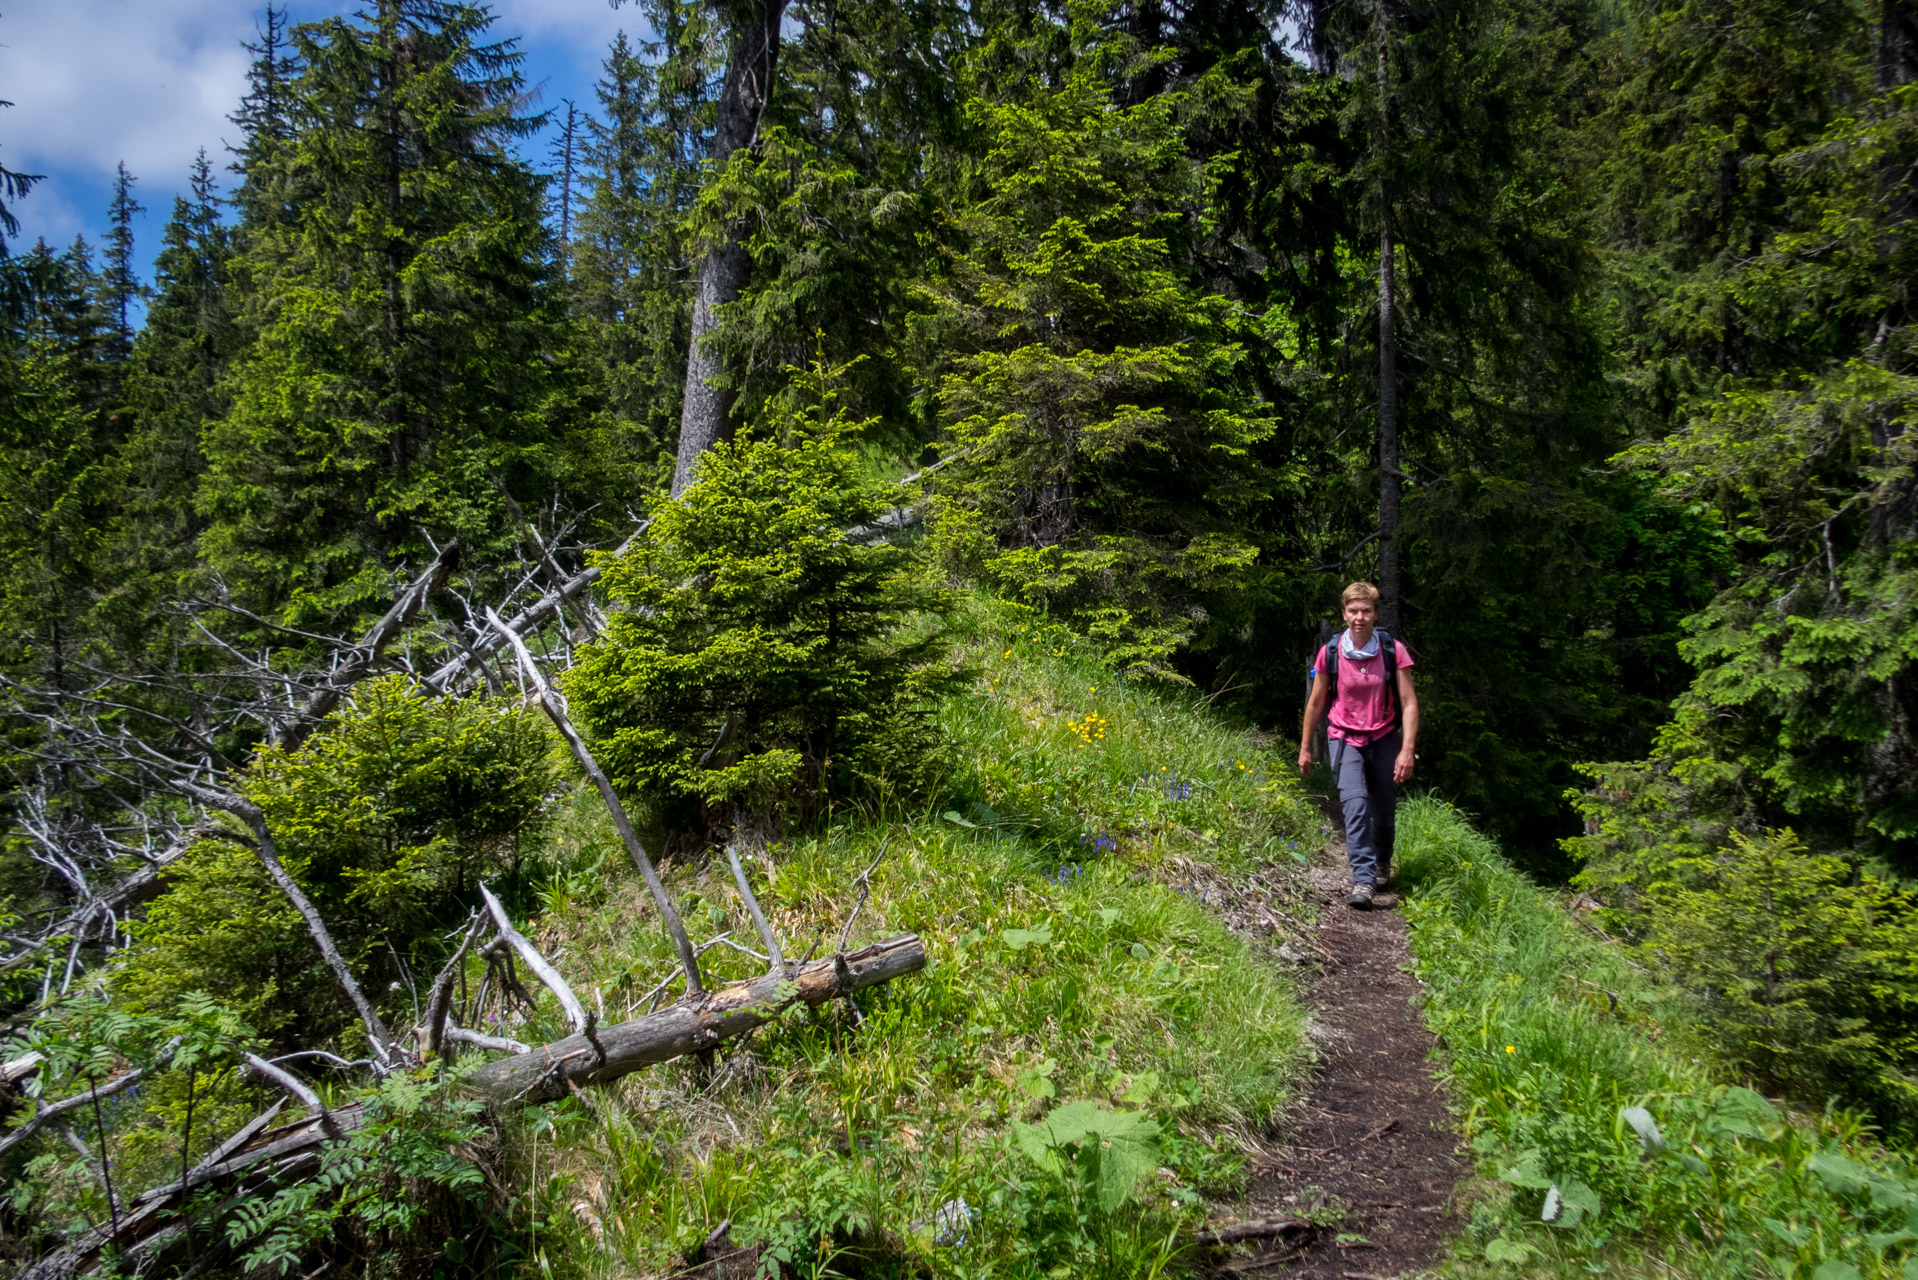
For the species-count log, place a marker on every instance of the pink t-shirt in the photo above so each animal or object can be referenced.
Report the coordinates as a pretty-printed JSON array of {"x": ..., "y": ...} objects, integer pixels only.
[{"x": 1364, "y": 710}]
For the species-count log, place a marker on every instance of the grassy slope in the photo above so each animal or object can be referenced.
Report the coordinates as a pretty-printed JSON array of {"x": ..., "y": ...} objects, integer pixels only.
[
  {"x": 1062, "y": 968},
  {"x": 1551, "y": 1033}
]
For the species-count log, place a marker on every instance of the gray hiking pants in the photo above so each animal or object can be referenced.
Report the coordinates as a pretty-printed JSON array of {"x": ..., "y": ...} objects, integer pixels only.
[{"x": 1369, "y": 798}]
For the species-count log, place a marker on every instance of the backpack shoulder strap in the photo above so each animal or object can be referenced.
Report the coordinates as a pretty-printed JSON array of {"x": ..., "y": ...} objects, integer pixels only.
[
  {"x": 1331, "y": 665},
  {"x": 1389, "y": 650}
]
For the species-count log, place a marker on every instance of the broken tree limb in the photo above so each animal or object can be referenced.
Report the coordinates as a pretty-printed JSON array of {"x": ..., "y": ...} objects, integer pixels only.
[
  {"x": 439, "y": 1000},
  {"x": 268, "y": 853},
  {"x": 542, "y": 969},
  {"x": 290, "y": 1152},
  {"x": 286, "y": 1080},
  {"x": 142, "y": 886},
  {"x": 286, "y": 1155},
  {"x": 363, "y": 657},
  {"x": 773, "y": 959},
  {"x": 745, "y": 829},
  {"x": 480, "y": 1040},
  {"x": 473, "y": 656},
  {"x": 52, "y": 1111},
  {"x": 691, "y": 1026},
  {"x": 550, "y": 703}
]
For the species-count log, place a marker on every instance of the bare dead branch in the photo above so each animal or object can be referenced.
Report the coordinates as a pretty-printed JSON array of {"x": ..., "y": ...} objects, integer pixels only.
[
  {"x": 692, "y": 1025},
  {"x": 541, "y": 967},
  {"x": 499, "y": 1044},
  {"x": 556, "y": 712},
  {"x": 239, "y": 1139},
  {"x": 864, "y": 881},
  {"x": 525, "y": 621},
  {"x": 268, "y": 853},
  {"x": 51, "y": 1111},
  {"x": 292, "y": 1152},
  {"x": 773, "y": 958},
  {"x": 363, "y": 657},
  {"x": 286, "y": 1080},
  {"x": 439, "y": 1000}
]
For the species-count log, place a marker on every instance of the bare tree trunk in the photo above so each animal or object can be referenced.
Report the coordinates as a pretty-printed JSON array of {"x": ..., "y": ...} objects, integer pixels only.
[
  {"x": 1897, "y": 45},
  {"x": 704, "y": 417},
  {"x": 1389, "y": 477},
  {"x": 691, "y": 1026}
]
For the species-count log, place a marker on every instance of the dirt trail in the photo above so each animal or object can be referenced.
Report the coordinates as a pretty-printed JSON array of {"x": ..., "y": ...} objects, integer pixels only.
[{"x": 1373, "y": 1133}]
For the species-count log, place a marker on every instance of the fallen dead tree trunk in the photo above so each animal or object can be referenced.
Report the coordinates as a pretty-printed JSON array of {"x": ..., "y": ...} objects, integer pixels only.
[
  {"x": 150, "y": 1225},
  {"x": 692, "y": 1025}
]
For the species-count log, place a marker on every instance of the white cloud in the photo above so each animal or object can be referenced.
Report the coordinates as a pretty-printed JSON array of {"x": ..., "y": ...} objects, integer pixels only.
[
  {"x": 150, "y": 82},
  {"x": 95, "y": 82}
]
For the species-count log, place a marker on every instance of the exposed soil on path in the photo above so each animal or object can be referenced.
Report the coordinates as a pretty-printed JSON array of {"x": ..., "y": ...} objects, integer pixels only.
[{"x": 1371, "y": 1154}]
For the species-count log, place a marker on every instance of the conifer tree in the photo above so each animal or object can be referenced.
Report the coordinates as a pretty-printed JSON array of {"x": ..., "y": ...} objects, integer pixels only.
[
  {"x": 57, "y": 468},
  {"x": 120, "y": 284},
  {"x": 394, "y": 332},
  {"x": 1100, "y": 394},
  {"x": 641, "y": 152},
  {"x": 14, "y": 186},
  {"x": 174, "y": 389},
  {"x": 565, "y": 151},
  {"x": 264, "y": 114}
]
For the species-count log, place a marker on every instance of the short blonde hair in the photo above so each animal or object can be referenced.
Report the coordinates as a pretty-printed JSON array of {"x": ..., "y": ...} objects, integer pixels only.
[{"x": 1360, "y": 591}]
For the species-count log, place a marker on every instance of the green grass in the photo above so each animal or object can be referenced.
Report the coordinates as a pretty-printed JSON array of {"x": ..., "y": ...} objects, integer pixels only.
[
  {"x": 1063, "y": 967},
  {"x": 1549, "y": 1034}
]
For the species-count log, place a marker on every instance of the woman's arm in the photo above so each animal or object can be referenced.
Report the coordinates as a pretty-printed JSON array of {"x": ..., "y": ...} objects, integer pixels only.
[
  {"x": 1408, "y": 727},
  {"x": 1314, "y": 708}
]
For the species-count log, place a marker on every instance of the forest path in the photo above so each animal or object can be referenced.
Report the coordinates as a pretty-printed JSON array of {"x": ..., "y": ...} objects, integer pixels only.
[{"x": 1373, "y": 1135}]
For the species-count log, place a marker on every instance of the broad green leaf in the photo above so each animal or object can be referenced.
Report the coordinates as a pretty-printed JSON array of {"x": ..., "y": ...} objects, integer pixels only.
[
  {"x": 1506, "y": 1249},
  {"x": 1529, "y": 1171},
  {"x": 1644, "y": 1126}
]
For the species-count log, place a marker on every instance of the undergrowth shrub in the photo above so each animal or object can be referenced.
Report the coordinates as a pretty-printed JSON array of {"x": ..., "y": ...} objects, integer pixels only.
[
  {"x": 413, "y": 1162},
  {"x": 1802, "y": 966},
  {"x": 761, "y": 653},
  {"x": 1804, "y": 973},
  {"x": 1609, "y": 1142},
  {"x": 387, "y": 817},
  {"x": 187, "y": 1100}
]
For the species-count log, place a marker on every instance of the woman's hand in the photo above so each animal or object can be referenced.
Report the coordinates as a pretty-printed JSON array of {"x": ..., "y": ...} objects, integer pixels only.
[
  {"x": 1305, "y": 759},
  {"x": 1402, "y": 765}
]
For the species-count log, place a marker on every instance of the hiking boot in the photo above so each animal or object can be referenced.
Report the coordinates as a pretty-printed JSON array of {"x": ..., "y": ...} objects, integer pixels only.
[
  {"x": 1361, "y": 899},
  {"x": 1388, "y": 878}
]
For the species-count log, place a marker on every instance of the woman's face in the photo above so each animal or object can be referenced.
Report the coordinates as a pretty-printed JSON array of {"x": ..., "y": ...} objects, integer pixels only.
[{"x": 1360, "y": 615}]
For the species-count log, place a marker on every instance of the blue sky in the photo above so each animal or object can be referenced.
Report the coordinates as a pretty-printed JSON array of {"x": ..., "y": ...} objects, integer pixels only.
[{"x": 150, "y": 82}]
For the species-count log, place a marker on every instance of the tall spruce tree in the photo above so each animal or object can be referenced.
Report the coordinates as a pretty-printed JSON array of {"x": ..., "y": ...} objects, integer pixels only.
[
  {"x": 57, "y": 466},
  {"x": 631, "y": 291},
  {"x": 1099, "y": 393},
  {"x": 1791, "y": 428},
  {"x": 394, "y": 334},
  {"x": 174, "y": 389},
  {"x": 120, "y": 284}
]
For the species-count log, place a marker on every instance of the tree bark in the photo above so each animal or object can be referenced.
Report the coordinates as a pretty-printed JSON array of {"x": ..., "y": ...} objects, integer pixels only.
[
  {"x": 705, "y": 411},
  {"x": 691, "y": 1025},
  {"x": 1389, "y": 476},
  {"x": 1897, "y": 45}
]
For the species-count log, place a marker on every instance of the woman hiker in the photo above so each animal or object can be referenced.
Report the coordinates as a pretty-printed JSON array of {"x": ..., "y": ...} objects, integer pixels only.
[{"x": 1373, "y": 732}]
